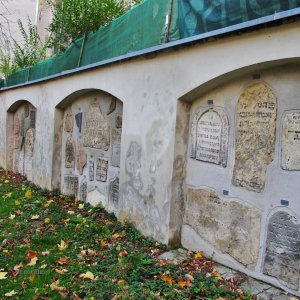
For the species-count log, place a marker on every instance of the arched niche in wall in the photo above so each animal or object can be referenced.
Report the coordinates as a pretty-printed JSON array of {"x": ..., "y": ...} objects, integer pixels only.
[
  {"x": 209, "y": 135},
  {"x": 21, "y": 120},
  {"x": 88, "y": 141}
]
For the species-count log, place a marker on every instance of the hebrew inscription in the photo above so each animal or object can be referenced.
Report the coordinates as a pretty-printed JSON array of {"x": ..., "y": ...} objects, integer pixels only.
[
  {"x": 91, "y": 170},
  {"x": 70, "y": 153},
  {"x": 282, "y": 259},
  {"x": 119, "y": 122},
  {"x": 32, "y": 119},
  {"x": 209, "y": 136},
  {"x": 26, "y": 110},
  {"x": 114, "y": 190},
  {"x": 96, "y": 132},
  {"x": 83, "y": 191},
  {"x": 101, "y": 169},
  {"x": 228, "y": 225},
  {"x": 115, "y": 158},
  {"x": 290, "y": 151},
  {"x": 71, "y": 185},
  {"x": 255, "y": 136}
]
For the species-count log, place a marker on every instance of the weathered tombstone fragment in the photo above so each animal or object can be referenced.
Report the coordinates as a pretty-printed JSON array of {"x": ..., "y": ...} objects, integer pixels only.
[
  {"x": 83, "y": 191},
  {"x": 81, "y": 159},
  {"x": 29, "y": 142},
  {"x": 112, "y": 106},
  {"x": 71, "y": 185},
  {"x": 209, "y": 135},
  {"x": 116, "y": 135},
  {"x": 255, "y": 136},
  {"x": 32, "y": 119},
  {"x": 70, "y": 153},
  {"x": 101, "y": 169},
  {"x": 282, "y": 258},
  {"x": 22, "y": 127},
  {"x": 16, "y": 132},
  {"x": 91, "y": 170},
  {"x": 119, "y": 122},
  {"x": 114, "y": 190},
  {"x": 290, "y": 147},
  {"x": 26, "y": 110},
  {"x": 116, "y": 153},
  {"x": 78, "y": 120},
  {"x": 96, "y": 130},
  {"x": 69, "y": 120}
]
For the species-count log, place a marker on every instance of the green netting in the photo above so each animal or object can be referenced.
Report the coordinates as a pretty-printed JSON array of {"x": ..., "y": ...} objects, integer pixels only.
[{"x": 145, "y": 26}]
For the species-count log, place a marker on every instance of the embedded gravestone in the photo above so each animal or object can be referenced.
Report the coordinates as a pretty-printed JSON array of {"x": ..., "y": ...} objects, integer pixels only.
[
  {"x": 119, "y": 122},
  {"x": 96, "y": 131},
  {"x": 78, "y": 120},
  {"x": 22, "y": 126},
  {"x": 210, "y": 136},
  {"x": 26, "y": 110},
  {"x": 282, "y": 258},
  {"x": 71, "y": 185},
  {"x": 29, "y": 142},
  {"x": 69, "y": 121},
  {"x": 81, "y": 159},
  {"x": 32, "y": 119},
  {"x": 112, "y": 106},
  {"x": 16, "y": 132},
  {"x": 83, "y": 191},
  {"x": 116, "y": 152},
  {"x": 91, "y": 170},
  {"x": 255, "y": 136},
  {"x": 290, "y": 147},
  {"x": 116, "y": 135},
  {"x": 70, "y": 153},
  {"x": 114, "y": 190},
  {"x": 101, "y": 169}
]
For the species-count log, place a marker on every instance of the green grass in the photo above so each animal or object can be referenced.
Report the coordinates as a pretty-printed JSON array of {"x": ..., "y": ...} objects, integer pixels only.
[{"x": 122, "y": 263}]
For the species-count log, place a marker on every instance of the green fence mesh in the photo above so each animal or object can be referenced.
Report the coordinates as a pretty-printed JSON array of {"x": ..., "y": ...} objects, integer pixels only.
[{"x": 145, "y": 26}]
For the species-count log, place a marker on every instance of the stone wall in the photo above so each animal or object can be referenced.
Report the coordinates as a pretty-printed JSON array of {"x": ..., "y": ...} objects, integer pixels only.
[{"x": 242, "y": 192}]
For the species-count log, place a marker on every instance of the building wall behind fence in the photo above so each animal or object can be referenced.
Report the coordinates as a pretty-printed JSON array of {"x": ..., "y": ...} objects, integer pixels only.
[{"x": 174, "y": 180}]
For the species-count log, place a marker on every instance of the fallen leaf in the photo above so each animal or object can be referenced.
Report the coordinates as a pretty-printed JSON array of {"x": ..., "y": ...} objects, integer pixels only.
[
  {"x": 61, "y": 272},
  {"x": 87, "y": 275},
  {"x": 123, "y": 253},
  {"x": 3, "y": 275},
  {"x": 18, "y": 267},
  {"x": 81, "y": 206},
  {"x": 121, "y": 281},
  {"x": 103, "y": 243},
  {"x": 44, "y": 266},
  {"x": 32, "y": 261},
  {"x": 116, "y": 235},
  {"x": 198, "y": 255},
  {"x": 10, "y": 294},
  {"x": 44, "y": 253},
  {"x": 8, "y": 195},
  {"x": 35, "y": 217},
  {"x": 47, "y": 204},
  {"x": 64, "y": 260},
  {"x": 31, "y": 254},
  {"x": 71, "y": 212},
  {"x": 5, "y": 251},
  {"x": 183, "y": 283},
  {"x": 12, "y": 217},
  {"x": 28, "y": 193},
  {"x": 17, "y": 202},
  {"x": 31, "y": 278},
  {"x": 47, "y": 221},
  {"x": 54, "y": 287},
  {"x": 62, "y": 246},
  {"x": 168, "y": 279},
  {"x": 118, "y": 248},
  {"x": 18, "y": 212},
  {"x": 6, "y": 181}
]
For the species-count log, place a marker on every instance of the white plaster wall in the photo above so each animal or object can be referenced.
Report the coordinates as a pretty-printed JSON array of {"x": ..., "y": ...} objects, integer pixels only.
[{"x": 149, "y": 88}]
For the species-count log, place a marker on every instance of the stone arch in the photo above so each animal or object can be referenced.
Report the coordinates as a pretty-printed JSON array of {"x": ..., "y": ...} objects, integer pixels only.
[
  {"x": 21, "y": 123},
  {"x": 87, "y": 147}
]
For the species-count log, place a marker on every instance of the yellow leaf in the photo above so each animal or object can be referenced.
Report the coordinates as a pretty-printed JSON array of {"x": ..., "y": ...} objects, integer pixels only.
[
  {"x": 54, "y": 287},
  {"x": 10, "y": 294},
  {"x": 116, "y": 235},
  {"x": 103, "y": 243},
  {"x": 198, "y": 255},
  {"x": 71, "y": 212},
  {"x": 47, "y": 204},
  {"x": 118, "y": 248},
  {"x": 218, "y": 275},
  {"x": 28, "y": 193},
  {"x": 3, "y": 275},
  {"x": 5, "y": 251},
  {"x": 62, "y": 246},
  {"x": 47, "y": 221},
  {"x": 121, "y": 281},
  {"x": 31, "y": 278},
  {"x": 87, "y": 275},
  {"x": 6, "y": 181},
  {"x": 61, "y": 272},
  {"x": 17, "y": 202},
  {"x": 8, "y": 195},
  {"x": 81, "y": 206},
  {"x": 44, "y": 266}
]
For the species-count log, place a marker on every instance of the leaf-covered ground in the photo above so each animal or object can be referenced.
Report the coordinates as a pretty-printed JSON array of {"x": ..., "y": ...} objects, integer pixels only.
[{"x": 54, "y": 247}]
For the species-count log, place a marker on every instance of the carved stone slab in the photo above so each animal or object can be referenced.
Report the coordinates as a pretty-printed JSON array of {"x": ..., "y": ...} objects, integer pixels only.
[
  {"x": 290, "y": 147},
  {"x": 116, "y": 135},
  {"x": 255, "y": 136},
  {"x": 16, "y": 132},
  {"x": 29, "y": 142},
  {"x": 69, "y": 120},
  {"x": 228, "y": 225},
  {"x": 91, "y": 170},
  {"x": 282, "y": 259},
  {"x": 70, "y": 153},
  {"x": 78, "y": 120},
  {"x": 22, "y": 126},
  {"x": 114, "y": 190},
  {"x": 119, "y": 122},
  {"x": 209, "y": 135},
  {"x": 32, "y": 119},
  {"x": 101, "y": 169},
  {"x": 96, "y": 131},
  {"x": 116, "y": 153},
  {"x": 81, "y": 159},
  {"x": 83, "y": 191},
  {"x": 71, "y": 185}
]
